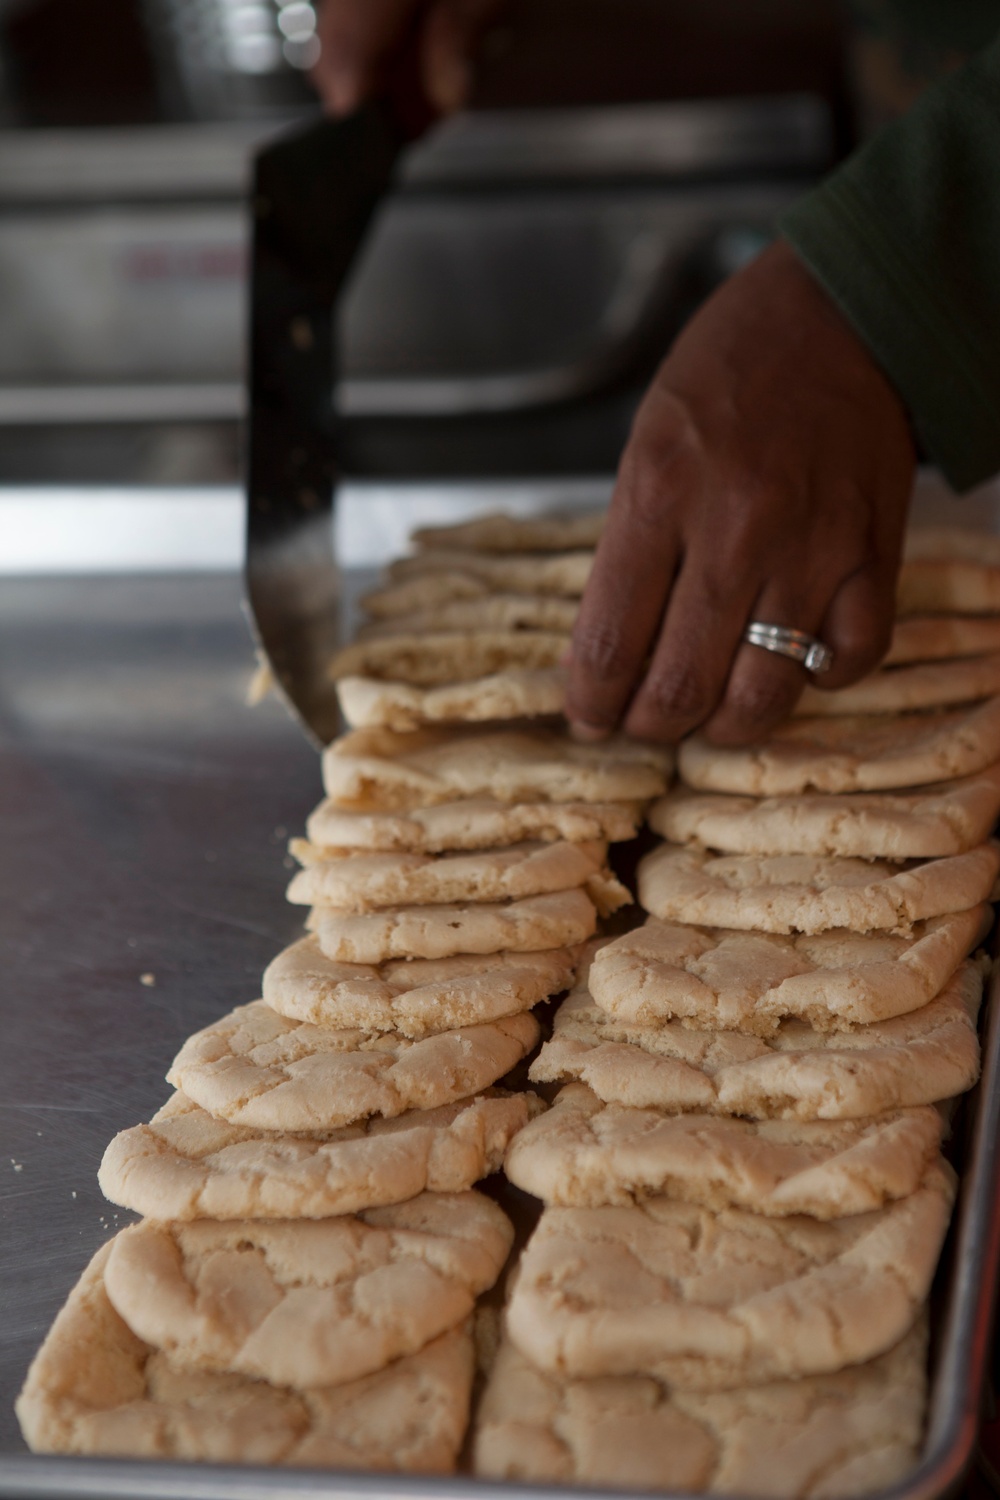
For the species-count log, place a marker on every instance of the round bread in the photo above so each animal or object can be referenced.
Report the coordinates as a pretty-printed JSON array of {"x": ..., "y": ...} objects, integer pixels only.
[
  {"x": 308, "y": 1302},
  {"x": 415, "y": 997},
  {"x": 254, "y": 1067},
  {"x": 95, "y": 1388},
  {"x": 185, "y": 1164},
  {"x": 811, "y": 892},
  {"x": 797, "y": 1074},
  {"x": 712, "y": 1300},
  {"x": 846, "y": 1434}
]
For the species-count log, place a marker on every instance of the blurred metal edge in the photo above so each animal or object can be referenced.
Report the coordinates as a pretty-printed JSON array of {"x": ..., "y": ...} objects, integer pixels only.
[
  {"x": 662, "y": 139},
  {"x": 953, "y": 1412},
  {"x": 315, "y": 193},
  {"x": 678, "y": 138}
]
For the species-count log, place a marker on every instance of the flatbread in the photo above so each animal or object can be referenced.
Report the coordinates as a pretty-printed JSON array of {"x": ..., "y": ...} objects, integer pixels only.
[
  {"x": 472, "y": 823},
  {"x": 414, "y": 997},
  {"x": 396, "y": 600},
  {"x": 862, "y": 753},
  {"x": 432, "y": 579},
  {"x": 937, "y": 637},
  {"x": 494, "y": 612},
  {"x": 585, "y": 1153},
  {"x": 950, "y": 817},
  {"x": 375, "y": 770},
  {"x": 254, "y": 1067},
  {"x": 811, "y": 892},
  {"x": 308, "y": 1302},
  {"x": 948, "y": 584},
  {"x": 905, "y": 688},
  {"x": 564, "y": 573},
  {"x": 185, "y": 1164},
  {"x": 499, "y": 532},
  {"x": 944, "y": 542},
  {"x": 721, "y": 979},
  {"x": 365, "y": 882},
  {"x": 555, "y": 920},
  {"x": 515, "y": 693},
  {"x": 709, "y": 1300},
  {"x": 852, "y": 1433},
  {"x": 430, "y": 661},
  {"x": 797, "y": 1074},
  {"x": 94, "y": 1388}
]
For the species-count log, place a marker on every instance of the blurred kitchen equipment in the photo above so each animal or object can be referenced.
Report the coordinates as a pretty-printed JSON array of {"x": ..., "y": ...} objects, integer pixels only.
[
  {"x": 233, "y": 59},
  {"x": 517, "y": 288}
]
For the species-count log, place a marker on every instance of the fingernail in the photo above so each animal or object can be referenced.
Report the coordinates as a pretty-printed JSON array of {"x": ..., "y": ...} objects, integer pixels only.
[{"x": 588, "y": 734}]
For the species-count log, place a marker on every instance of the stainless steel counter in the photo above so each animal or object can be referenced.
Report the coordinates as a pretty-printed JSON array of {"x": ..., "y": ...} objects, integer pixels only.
[{"x": 144, "y": 812}]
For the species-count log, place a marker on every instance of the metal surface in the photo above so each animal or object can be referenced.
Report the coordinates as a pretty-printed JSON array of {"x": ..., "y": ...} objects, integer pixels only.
[
  {"x": 44, "y": 405},
  {"x": 676, "y": 139},
  {"x": 212, "y": 161},
  {"x": 797, "y": 644},
  {"x": 124, "y": 252},
  {"x": 124, "y": 256},
  {"x": 140, "y": 164},
  {"x": 509, "y": 302},
  {"x": 314, "y": 197},
  {"x": 517, "y": 300},
  {"x": 144, "y": 817},
  {"x": 145, "y": 813}
]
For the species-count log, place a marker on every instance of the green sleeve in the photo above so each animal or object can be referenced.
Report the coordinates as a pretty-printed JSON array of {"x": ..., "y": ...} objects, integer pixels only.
[{"x": 905, "y": 237}]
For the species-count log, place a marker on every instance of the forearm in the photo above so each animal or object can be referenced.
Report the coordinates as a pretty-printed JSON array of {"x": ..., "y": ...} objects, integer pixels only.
[{"x": 905, "y": 237}]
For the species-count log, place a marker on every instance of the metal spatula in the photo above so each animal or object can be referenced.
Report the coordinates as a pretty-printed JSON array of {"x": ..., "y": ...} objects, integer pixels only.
[{"x": 314, "y": 196}]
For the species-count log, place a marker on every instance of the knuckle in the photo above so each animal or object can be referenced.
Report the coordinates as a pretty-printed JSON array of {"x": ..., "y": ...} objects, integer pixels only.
[
  {"x": 678, "y": 692},
  {"x": 861, "y": 648},
  {"x": 760, "y": 701},
  {"x": 717, "y": 582},
  {"x": 601, "y": 650},
  {"x": 645, "y": 501},
  {"x": 658, "y": 467},
  {"x": 853, "y": 662}
]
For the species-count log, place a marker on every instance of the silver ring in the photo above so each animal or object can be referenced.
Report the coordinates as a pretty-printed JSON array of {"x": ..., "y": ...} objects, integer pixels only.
[{"x": 813, "y": 655}]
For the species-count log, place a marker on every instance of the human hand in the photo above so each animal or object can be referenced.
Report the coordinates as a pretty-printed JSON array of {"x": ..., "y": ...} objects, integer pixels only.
[
  {"x": 767, "y": 477},
  {"x": 361, "y": 41}
]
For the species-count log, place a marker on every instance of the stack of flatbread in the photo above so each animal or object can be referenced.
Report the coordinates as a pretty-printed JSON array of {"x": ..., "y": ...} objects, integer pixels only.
[
  {"x": 745, "y": 1194},
  {"x": 473, "y": 626},
  {"x": 301, "y": 1289}
]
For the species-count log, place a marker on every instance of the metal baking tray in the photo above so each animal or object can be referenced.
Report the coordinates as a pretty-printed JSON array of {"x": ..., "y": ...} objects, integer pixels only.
[{"x": 145, "y": 813}]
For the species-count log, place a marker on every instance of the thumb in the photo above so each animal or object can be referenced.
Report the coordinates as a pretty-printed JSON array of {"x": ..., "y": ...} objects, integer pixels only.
[{"x": 450, "y": 36}]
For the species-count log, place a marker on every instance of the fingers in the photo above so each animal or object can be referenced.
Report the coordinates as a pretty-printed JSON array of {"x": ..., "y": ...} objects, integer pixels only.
[
  {"x": 858, "y": 625},
  {"x": 701, "y": 673},
  {"x": 357, "y": 40},
  {"x": 623, "y": 603},
  {"x": 763, "y": 687},
  {"x": 448, "y": 48}
]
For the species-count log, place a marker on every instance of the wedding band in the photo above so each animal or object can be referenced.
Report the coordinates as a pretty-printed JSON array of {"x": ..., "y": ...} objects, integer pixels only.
[{"x": 813, "y": 655}]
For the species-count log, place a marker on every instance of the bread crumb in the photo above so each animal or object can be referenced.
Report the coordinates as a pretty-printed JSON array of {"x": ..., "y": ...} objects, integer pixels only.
[{"x": 148, "y": 980}]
